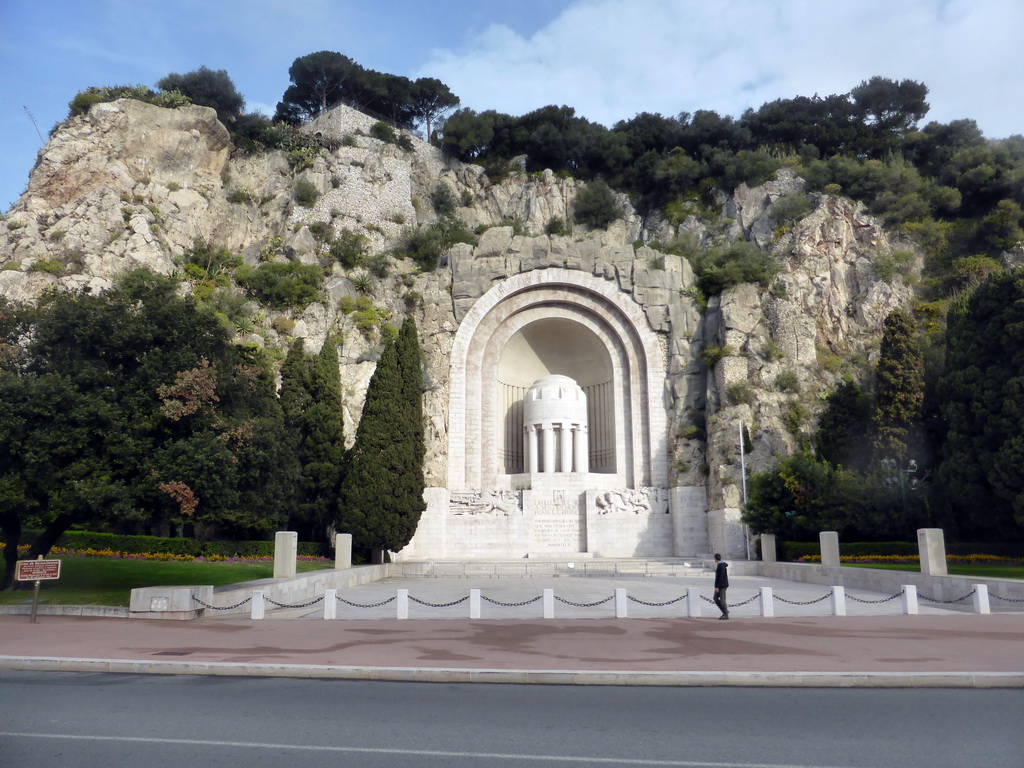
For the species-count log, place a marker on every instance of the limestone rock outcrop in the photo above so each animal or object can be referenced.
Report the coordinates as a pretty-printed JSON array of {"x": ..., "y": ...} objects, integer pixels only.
[{"x": 133, "y": 185}]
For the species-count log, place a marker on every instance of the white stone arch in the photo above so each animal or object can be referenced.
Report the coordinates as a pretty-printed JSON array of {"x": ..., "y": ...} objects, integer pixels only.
[{"x": 597, "y": 304}]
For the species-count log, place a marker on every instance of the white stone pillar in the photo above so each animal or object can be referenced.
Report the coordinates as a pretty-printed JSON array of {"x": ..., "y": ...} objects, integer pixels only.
[
  {"x": 768, "y": 554},
  {"x": 910, "y": 600},
  {"x": 838, "y": 601},
  {"x": 286, "y": 549},
  {"x": 620, "y": 603},
  {"x": 402, "y": 608},
  {"x": 693, "y": 602},
  {"x": 330, "y": 603},
  {"x": 566, "y": 439},
  {"x": 767, "y": 606},
  {"x": 474, "y": 603},
  {"x": 257, "y": 609},
  {"x": 342, "y": 551},
  {"x": 931, "y": 546},
  {"x": 549, "y": 603},
  {"x": 981, "y": 599},
  {"x": 547, "y": 430},
  {"x": 829, "y": 549},
  {"x": 582, "y": 448},
  {"x": 530, "y": 448}
]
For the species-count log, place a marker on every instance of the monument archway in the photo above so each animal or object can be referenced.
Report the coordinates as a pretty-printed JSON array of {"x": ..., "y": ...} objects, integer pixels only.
[{"x": 567, "y": 323}]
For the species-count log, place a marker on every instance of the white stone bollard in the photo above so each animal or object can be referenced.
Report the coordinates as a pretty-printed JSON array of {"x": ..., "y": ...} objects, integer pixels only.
[
  {"x": 258, "y": 610},
  {"x": 931, "y": 546},
  {"x": 286, "y": 551},
  {"x": 838, "y": 601},
  {"x": 909, "y": 600},
  {"x": 474, "y": 603},
  {"x": 829, "y": 548},
  {"x": 403, "y": 604},
  {"x": 330, "y": 603},
  {"x": 549, "y": 603},
  {"x": 693, "y": 602},
  {"x": 981, "y": 599},
  {"x": 620, "y": 603},
  {"x": 767, "y": 607},
  {"x": 768, "y": 548},
  {"x": 342, "y": 551}
]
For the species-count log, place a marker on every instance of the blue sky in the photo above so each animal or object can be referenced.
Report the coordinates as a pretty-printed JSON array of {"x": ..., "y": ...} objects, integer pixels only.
[{"x": 607, "y": 58}]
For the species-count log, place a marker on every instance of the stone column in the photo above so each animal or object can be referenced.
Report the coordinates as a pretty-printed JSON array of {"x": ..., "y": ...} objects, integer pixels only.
[
  {"x": 768, "y": 554},
  {"x": 580, "y": 445},
  {"x": 931, "y": 546},
  {"x": 829, "y": 548},
  {"x": 566, "y": 439},
  {"x": 548, "y": 435},
  {"x": 530, "y": 449},
  {"x": 286, "y": 549}
]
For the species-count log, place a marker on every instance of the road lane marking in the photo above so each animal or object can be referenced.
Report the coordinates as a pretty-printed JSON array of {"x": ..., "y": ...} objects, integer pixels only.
[{"x": 410, "y": 752}]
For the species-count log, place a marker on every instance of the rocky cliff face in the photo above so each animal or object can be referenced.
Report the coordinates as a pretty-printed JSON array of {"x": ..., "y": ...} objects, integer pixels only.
[{"x": 132, "y": 185}]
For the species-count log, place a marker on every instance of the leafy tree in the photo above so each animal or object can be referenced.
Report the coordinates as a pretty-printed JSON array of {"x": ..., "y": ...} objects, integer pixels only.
[
  {"x": 981, "y": 394},
  {"x": 739, "y": 262},
  {"x": 319, "y": 82},
  {"x": 208, "y": 88},
  {"x": 843, "y": 434},
  {"x": 431, "y": 99},
  {"x": 282, "y": 285},
  {"x": 899, "y": 386},
  {"x": 378, "y": 503},
  {"x": 133, "y": 405}
]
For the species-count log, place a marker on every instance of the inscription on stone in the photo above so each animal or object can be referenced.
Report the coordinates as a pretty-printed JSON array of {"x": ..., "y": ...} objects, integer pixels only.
[{"x": 557, "y": 523}]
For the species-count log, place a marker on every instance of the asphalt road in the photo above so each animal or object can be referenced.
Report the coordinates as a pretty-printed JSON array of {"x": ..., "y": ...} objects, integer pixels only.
[{"x": 82, "y": 719}]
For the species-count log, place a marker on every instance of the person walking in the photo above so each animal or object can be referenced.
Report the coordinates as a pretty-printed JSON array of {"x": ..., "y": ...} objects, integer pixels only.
[{"x": 721, "y": 585}]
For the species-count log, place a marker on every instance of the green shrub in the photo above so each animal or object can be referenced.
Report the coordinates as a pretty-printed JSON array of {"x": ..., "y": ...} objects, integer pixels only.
[
  {"x": 424, "y": 246},
  {"x": 306, "y": 193},
  {"x": 362, "y": 282},
  {"x": 204, "y": 261},
  {"x": 283, "y": 325},
  {"x": 384, "y": 132},
  {"x": 739, "y": 262},
  {"x": 443, "y": 200},
  {"x": 887, "y": 265},
  {"x": 787, "y": 381},
  {"x": 595, "y": 206},
  {"x": 740, "y": 393},
  {"x": 790, "y": 208},
  {"x": 49, "y": 266},
  {"x": 349, "y": 248},
  {"x": 556, "y": 227},
  {"x": 321, "y": 230},
  {"x": 711, "y": 354},
  {"x": 283, "y": 286}
]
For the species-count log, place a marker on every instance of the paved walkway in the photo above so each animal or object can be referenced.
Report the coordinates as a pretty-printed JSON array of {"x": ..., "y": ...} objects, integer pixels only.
[{"x": 875, "y": 645}]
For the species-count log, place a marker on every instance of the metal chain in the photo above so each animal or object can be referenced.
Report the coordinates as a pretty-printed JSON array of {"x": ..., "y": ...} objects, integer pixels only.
[
  {"x": 462, "y": 599},
  {"x": 584, "y": 605},
  {"x": 221, "y": 607},
  {"x": 655, "y": 605},
  {"x": 946, "y": 602},
  {"x": 510, "y": 605},
  {"x": 367, "y": 605},
  {"x": 875, "y": 602},
  {"x": 750, "y": 599},
  {"x": 1005, "y": 599},
  {"x": 299, "y": 605},
  {"x": 707, "y": 599},
  {"x": 807, "y": 602}
]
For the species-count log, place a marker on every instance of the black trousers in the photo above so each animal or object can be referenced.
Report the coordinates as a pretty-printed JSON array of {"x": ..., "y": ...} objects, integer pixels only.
[{"x": 720, "y": 601}]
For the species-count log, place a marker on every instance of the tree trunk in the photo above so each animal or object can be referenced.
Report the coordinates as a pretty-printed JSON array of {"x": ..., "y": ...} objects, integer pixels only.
[
  {"x": 10, "y": 526},
  {"x": 49, "y": 537}
]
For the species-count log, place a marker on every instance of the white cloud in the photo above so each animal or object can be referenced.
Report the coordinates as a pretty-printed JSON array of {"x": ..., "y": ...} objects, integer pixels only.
[{"x": 613, "y": 58}]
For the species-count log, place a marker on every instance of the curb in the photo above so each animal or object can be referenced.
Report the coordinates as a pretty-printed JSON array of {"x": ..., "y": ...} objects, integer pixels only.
[{"x": 525, "y": 676}]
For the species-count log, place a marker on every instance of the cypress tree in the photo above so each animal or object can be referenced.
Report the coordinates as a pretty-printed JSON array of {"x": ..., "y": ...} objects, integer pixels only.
[
  {"x": 324, "y": 442},
  {"x": 381, "y": 495},
  {"x": 899, "y": 386}
]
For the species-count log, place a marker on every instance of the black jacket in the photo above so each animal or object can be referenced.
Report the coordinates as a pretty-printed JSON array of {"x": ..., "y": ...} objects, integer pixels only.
[{"x": 721, "y": 576}]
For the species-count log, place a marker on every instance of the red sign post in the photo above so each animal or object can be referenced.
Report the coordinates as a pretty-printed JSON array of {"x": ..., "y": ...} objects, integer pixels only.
[{"x": 37, "y": 570}]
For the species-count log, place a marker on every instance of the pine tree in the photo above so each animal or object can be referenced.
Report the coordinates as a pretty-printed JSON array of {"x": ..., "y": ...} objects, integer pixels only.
[
  {"x": 381, "y": 496},
  {"x": 899, "y": 386}
]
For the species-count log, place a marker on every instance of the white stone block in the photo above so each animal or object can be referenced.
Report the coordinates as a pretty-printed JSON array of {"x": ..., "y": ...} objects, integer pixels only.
[
  {"x": 931, "y": 546},
  {"x": 620, "y": 603},
  {"x": 981, "y": 604},
  {"x": 549, "y": 603},
  {"x": 693, "y": 602},
  {"x": 286, "y": 549},
  {"x": 909, "y": 600},
  {"x": 258, "y": 609},
  {"x": 342, "y": 551},
  {"x": 829, "y": 549},
  {"x": 402, "y": 608},
  {"x": 838, "y": 601},
  {"x": 766, "y": 602},
  {"x": 474, "y": 603},
  {"x": 330, "y": 603}
]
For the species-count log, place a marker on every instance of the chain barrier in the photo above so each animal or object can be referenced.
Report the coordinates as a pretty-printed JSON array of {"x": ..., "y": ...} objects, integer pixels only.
[
  {"x": 806, "y": 602},
  {"x": 1005, "y": 599},
  {"x": 221, "y": 607},
  {"x": 750, "y": 599},
  {"x": 585, "y": 605},
  {"x": 510, "y": 605},
  {"x": 367, "y": 605},
  {"x": 707, "y": 600},
  {"x": 875, "y": 602},
  {"x": 462, "y": 599},
  {"x": 655, "y": 605},
  {"x": 946, "y": 602},
  {"x": 297, "y": 605}
]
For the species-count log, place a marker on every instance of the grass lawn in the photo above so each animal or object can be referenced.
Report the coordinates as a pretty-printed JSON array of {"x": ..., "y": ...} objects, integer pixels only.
[
  {"x": 955, "y": 569},
  {"x": 104, "y": 581}
]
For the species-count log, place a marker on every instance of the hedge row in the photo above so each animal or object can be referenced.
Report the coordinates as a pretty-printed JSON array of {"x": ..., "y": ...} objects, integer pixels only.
[
  {"x": 175, "y": 546},
  {"x": 794, "y": 550}
]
